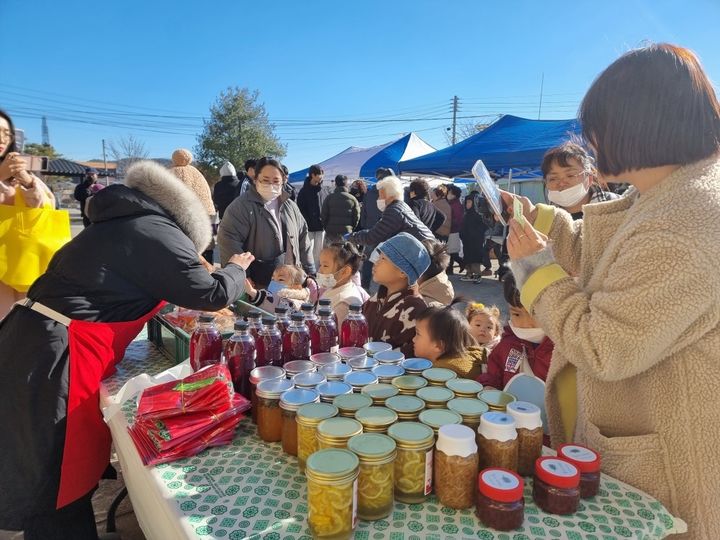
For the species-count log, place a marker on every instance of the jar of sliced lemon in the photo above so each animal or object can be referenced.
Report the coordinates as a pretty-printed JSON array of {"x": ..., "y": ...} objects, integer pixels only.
[{"x": 375, "y": 482}]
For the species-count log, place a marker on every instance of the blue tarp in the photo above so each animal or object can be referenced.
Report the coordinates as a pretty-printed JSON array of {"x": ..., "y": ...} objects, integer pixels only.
[{"x": 511, "y": 142}]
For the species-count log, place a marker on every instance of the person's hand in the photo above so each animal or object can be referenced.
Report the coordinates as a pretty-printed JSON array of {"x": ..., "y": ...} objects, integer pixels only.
[
  {"x": 524, "y": 241},
  {"x": 209, "y": 267},
  {"x": 529, "y": 209},
  {"x": 250, "y": 288},
  {"x": 8, "y": 165},
  {"x": 243, "y": 260},
  {"x": 346, "y": 236}
]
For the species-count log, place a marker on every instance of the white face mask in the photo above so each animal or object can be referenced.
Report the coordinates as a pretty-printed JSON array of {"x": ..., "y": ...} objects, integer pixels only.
[
  {"x": 326, "y": 281},
  {"x": 570, "y": 196},
  {"x": 533, "y": 335},
  {"x": 269, "y": 191},
  {"x": 381, "y": 204}
]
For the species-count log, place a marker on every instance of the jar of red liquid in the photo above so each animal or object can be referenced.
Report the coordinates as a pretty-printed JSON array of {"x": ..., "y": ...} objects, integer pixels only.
[
  {"x": 324, "y": 335},
  {"x": 254, "y": 319},
  {"x": 296, "y": 341},
  {"x": 269, "y": 344},
  {"x": 205, "y": 343},
  {"x": 240, "y": 357},
  {"x": 308, "y": 311},
  {"x": 258, "y": 375},
  {"x": 354, "y": 330},
  {"x": 283, "y": 319},
  {"x": 326, "y": 303}
]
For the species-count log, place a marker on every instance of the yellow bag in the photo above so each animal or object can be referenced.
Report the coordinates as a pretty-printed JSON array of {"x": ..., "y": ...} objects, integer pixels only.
[{"x": 29, "y": 237}]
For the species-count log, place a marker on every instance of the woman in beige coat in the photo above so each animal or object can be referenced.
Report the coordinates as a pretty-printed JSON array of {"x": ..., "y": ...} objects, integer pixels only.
[{"x": 636, "y": 369}]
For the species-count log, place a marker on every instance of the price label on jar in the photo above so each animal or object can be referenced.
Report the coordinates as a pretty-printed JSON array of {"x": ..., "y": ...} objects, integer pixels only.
[
  {"x": 355, "y": 504},
  {"x": 428, "y": 472}
]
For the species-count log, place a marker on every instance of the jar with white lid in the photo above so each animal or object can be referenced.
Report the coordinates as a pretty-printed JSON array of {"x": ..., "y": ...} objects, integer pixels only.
[
  {"x": 456, "y": 466},
  {"x": 497, "y": 441},
  {"x": 529, "y": 426}
]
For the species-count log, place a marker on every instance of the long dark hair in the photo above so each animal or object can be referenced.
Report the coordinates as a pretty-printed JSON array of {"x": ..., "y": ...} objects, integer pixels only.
[
  {"x": 450, "y": 327},
  {"x": 12, "y": 147}
]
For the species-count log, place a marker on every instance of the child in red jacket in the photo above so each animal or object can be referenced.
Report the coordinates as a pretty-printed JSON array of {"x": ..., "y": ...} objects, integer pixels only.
[{"x": 523, "y": 348}]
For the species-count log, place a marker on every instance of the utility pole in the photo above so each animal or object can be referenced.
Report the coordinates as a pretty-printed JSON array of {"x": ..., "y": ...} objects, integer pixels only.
[
  {"x": 454, "y": 124},
  {"x": 542, "y": 84},
  {"x": 107, "y": 181},
  {"x": 45, "y": 132}
]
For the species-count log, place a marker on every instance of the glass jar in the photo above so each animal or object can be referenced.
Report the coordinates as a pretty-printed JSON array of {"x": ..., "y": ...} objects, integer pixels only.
[
  {"x": 324, "y": 335},
  {"x": 500, "y": 502},
  {"x": 393, "y": 358},
  {"x": 324, "y": 359},
  {"x": 332, "y": 493},
  {"x": 375, "y": 347},
  {"x": 556, "y": 486},
  {"x": 335, "y": 371},
  {"x": 296, "y": 341},
  {"x": 290, "y": 402},
  {"x": 464, "y": 388},
  {"x": 496, "y": 400},
  {"x": 359, "y": 379},
  {"x": 377, "y": 471},
  {"x": 414, "y": 461},
  {"x": 415, "y": 366},
  {"x": 497, "y": 441},
  {"x": 349, "y": 404},
  {"x": 269, "y": 415},
  {"x": 206, "y": 346},
  {"x": 408, "y": 385},
  {"x": 298, "y": 366},
  {"x": 283, "y": 320},
  {"x": 257, "y": 375},
  {"x": 348, "y": 353},
  {"x": 408, "y": 408},
  {"x": 587, "y": 461},
  {"x": 362, "y": 363},
  {"x": 336, "y": 432},
  {"x": 435, "y": 397},
  {"x": 387, "y": 372},
  {"x": 470, "y": 409},
  {"x": 269, "y": 344},
  {"x": 309, "y": 379},
  {"x": 308, "y": 417},
  {"x": 255, "y": 324},
  {"x": 376, "y": 419},
  {"x": 528, "y": 422},
  {"x": 240, "y": 357},
  {"x": 331, "y": 389},
  {"x": 439, "y": 376},
  {"x": 456, "y": 467},
  {"x": 379, "y": 392},
  {"x": 436, "y": 418},
  {"x": 309, "y": 316},
  {"x": 354, "y": 329}
]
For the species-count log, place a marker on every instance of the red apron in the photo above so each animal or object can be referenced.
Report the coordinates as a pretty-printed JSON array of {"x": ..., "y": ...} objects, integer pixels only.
[{"x": 94, "y": 350}]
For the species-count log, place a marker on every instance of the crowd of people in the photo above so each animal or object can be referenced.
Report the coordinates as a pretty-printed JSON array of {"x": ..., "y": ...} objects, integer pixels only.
[{"x": 625, "y": 337}]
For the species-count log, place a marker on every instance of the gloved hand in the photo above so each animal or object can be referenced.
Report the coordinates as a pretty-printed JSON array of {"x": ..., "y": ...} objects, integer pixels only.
[{"x": 347, "y": 236}]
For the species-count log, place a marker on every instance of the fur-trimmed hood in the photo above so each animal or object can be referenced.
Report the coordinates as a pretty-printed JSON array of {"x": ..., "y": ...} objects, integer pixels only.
[{"x": 154, "y": 190}]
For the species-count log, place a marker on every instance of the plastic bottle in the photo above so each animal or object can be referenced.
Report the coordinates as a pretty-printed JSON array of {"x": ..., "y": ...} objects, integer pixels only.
[
  {"x": 240, "y": 355},
  {"x": 324, "y": 335},
  {"x": 296, "y": 341},
  {"x": 354, "y": 330},
  {"x": 269, "y": 344},
  {"x": 205, "y": 343}
]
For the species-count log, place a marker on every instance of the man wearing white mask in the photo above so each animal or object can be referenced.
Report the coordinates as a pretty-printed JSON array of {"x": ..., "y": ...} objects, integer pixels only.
[
  {"x": 569, "y": 175},
  {"x": 266, "y": 222}
]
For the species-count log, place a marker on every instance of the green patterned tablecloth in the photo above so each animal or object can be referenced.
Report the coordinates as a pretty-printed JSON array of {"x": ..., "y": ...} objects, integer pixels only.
[{"x": 251, "y": 489}]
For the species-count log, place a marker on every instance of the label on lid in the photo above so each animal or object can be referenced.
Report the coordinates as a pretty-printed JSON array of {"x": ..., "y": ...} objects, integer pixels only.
[
  {"x": 579, "y": 453},
  {"x": 500, "y": 479},
  {"x": 558, "y": 467},
  {"x": 428, "y": 471}
]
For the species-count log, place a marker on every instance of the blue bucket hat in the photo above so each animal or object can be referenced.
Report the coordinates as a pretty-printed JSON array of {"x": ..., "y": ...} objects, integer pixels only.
[{"x": 408, "y": 254}]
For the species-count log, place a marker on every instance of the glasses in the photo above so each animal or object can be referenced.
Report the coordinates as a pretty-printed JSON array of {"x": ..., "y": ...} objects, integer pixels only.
[
  {"x": 263, "y": 182},
  {"x": 6, "y": 135},
  {"x": 571, "y": 178}
]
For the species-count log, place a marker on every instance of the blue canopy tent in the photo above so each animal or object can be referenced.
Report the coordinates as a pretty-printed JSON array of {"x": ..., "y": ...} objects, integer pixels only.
[{"x": 510, "y": 143}]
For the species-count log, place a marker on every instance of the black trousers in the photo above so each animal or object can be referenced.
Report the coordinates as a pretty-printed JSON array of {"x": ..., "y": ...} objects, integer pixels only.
[{"x": 75, "y": 521}]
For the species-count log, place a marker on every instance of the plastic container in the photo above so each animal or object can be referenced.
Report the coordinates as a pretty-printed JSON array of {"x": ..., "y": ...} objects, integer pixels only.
[
  {"x": 296, "y": 341},
  {"x": 308, "y": 311},
  {"x": 376, "y": 419},
  {"x": 324, "y": 359},
  {"x": 283, "y": 319},
  {"x": 408, "y": 408},
  {"x": 332, "y": 493},
  {"x": 206, "y": 347},
  {"x": 414, "y": 461},
  {"x": 335, "y": 371},
  {"x": 390, "y": 357},
  {"x": 408, "y": 385},
  {"x": 269, "y": 415},
  {"x": 496, "y": 399},
  {"x": 497, "y": 441},
  {"x": 436, "y": 418},
  {"x": 464, "y": 388},
  {"x": 324, "y": 335},
  {"x": 439, "y": 376},
  {"x": 528, "y": 423},
  {"x": 500, "y": 502},
  {"x": 435, "y": 397},
  {"x": 308, "y": 417},
  {"x": 456, "y": 467},
  {"x": 269, "y": 344},
  {"x": 556, "y": 486},
  {"x": 349, "y": 404},
  {"x": 254, "y": 320},
  {"x": 377, "y": 470},
  {"x": 470, "y": 409},
  {"x": 298, "y": 366},
  {"x": 257, "y": 375},
  {"x": 336, "y": 432},
  {"x": 379, "y": 392},
  {"x": 329, "y": 390},
  {"x": 354, "y": 329},
  {"x": 375, "y": 347},
  {"x": 309, "y": 379},
  {"x": 240, "y": 357},
  {"x": 415, "y": 366},
  {"x": 360, "y": 379},
  {"x": 290, "y": 402},
  {"x": 387, "y": 372},
  {"x": 587, "y": 461}
]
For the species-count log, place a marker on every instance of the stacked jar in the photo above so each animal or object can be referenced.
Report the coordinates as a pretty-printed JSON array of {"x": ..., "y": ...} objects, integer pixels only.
[
  {"x": 308, "y": 418},
  {"x": 296, "y": 367},
  {"x": 393, "y": 358},
  {"x": 290, "y": 402},
  {"x": 387, "y": 372},
  {"x": 496, "y": 400},
  {"x": 464, "y": 388},
  {"x": 456, "y": 466},
  {"x": 414, "y": 461},
  {"x": 374, "y": 347},
  {"x": 335, "y": 371},
  {"x": 360, "y": 379},
  {"x": 309, "y": 379},
  {"x": 377, "y": 455}
]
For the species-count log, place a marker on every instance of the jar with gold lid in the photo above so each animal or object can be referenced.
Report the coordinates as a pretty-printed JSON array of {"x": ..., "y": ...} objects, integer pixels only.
[
  {"x": 408, "y": 408},
  {"x": 376, "y": 419},
  {"x": 308, "y": 417},
  {"x": 439, "y": 376},
  {"x": 470, "y": 409},
  {"x": 435, "y": 397},
  {"x": 414, "y": 461},
  {"x": 379, "y": 392},
  {"x": 377, "y": 472},
  {"x": 349, "y": 404},
  {"x": 408, "y": 385},
  {"x": 336, "y": 432}
]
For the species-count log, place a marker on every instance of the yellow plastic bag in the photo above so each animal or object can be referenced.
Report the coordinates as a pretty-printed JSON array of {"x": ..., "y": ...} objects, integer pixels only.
[{"x": 29, "y": 237}]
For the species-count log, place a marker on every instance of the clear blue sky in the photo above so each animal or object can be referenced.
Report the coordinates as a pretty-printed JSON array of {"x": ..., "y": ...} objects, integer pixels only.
[{"x": 318, "y": 60}]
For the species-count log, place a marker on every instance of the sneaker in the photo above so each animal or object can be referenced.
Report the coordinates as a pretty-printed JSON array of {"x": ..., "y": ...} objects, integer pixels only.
[{"x": 471, "y": 277}]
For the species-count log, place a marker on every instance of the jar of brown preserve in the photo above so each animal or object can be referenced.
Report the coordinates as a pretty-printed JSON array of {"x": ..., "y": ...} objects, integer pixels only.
[{"x": 528, "y": 423}]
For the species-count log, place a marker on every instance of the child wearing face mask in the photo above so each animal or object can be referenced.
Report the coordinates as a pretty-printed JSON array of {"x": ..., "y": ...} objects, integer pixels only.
[
  {"x": 287, "y": 288},
  {"x": 523, "y": 348},
  {"x": 338, "y": 278}
]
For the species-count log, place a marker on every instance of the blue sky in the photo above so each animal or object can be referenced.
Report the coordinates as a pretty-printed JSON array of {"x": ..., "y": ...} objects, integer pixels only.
[{"x": 317, "y": 60}]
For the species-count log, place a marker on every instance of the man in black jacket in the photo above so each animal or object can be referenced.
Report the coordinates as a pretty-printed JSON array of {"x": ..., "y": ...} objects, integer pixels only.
[
  {"x": 422, "y": 207},
  {"x": 340, "y": 211},
  {"x": 310, "y": 201},
  {"x": 227, "y": 188}
]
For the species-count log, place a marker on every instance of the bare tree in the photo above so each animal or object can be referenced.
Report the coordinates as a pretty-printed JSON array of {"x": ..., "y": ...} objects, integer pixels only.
[
  {"x": 126, "y": 151},
  {"x": 464, "y": 130}
]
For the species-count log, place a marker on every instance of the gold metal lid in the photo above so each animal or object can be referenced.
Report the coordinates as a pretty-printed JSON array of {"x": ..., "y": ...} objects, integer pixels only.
[
  {"x": 409, "y": 382},
  {"x": 379, "y": 391},
  {"x": 376, "y": 416},
  {"x": 372, "y": 446},
  {"x": 352, "y": 402},
  {"x": 412, "y": 435},
  {"x": 314, "y": 413},
  {"x": 435, "y": 394},
  {"x": 466, "y": 387},
  {"x": 339, "y": 428},
  {"x": 332, "y": 464},
  {"x": 405, "y": 404},
  {"x": 439, "y": 375},
  {"x": 496, "y": 398},
  {"x": 468, "y": 408}
]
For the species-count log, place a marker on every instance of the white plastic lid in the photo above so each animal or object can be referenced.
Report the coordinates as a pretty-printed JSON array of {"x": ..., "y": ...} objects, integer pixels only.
[
  {"x": 526, "y": 415},
  {"x": 497, "y": 426},
  {"x": 456, "y": 440}
]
